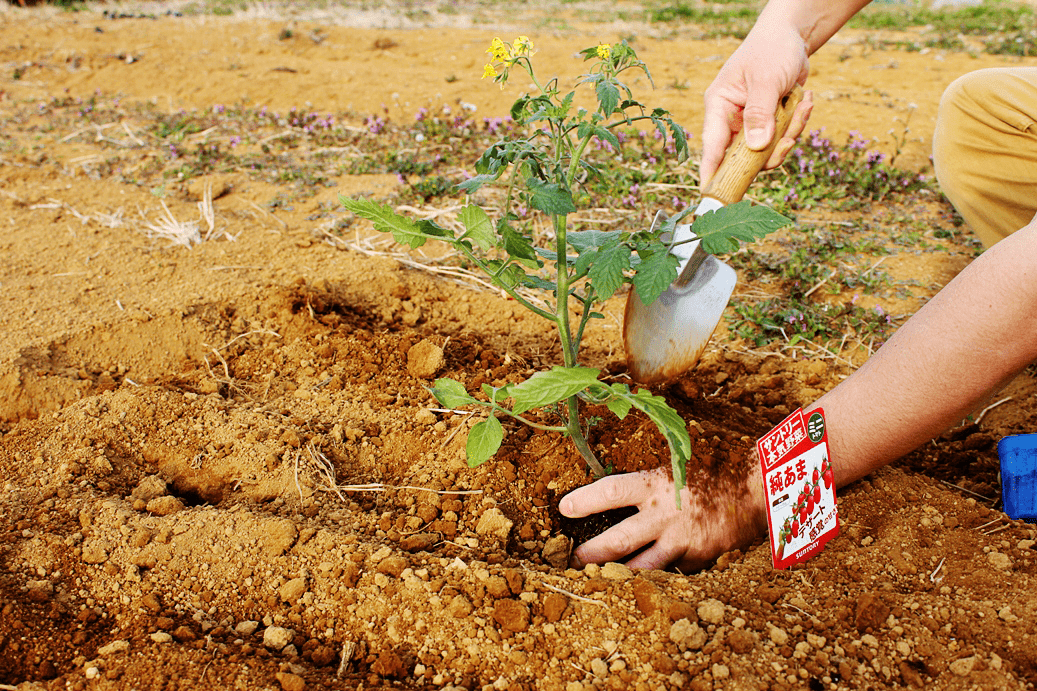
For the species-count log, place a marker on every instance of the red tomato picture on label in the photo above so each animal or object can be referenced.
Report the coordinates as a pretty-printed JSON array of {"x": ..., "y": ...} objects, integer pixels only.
[
  {"x": 817, "y": 494},
  {"x": 795, "y": 528}
]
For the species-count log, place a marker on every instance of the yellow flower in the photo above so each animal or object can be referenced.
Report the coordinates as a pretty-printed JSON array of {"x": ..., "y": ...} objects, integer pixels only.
[
  {"x": 523, "y": 45},
  {"x": 604, "y": 51},
  {"x": 488, "y": 71},
  {"x": 498, "y": 50}
]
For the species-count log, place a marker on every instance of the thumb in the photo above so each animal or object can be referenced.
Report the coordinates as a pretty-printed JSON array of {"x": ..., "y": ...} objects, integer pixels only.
[{"x": 758, "y": 117}]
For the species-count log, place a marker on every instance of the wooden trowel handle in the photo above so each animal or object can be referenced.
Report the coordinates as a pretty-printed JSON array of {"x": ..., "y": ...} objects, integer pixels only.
[{"x": 741, "y": 164}]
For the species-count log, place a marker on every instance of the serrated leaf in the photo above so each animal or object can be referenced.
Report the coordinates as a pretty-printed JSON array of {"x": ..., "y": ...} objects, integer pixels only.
[
  {"x": 538, "y": 283},
  {"x": 385, "y": 220},
  {"x": 496, "y": 394},
  {"x": 478, "y": 227},
  {"x": 556, "y": 384},
  {"x": 606, "y": 134},
  {"x": 619, "y": 407},
  {"x": 680, "y": 140},
  {"x": 516, "y": 244},
  {"x": 550, "y": 198},
  {"x": 721, "y": 230},
  {"x": 590, "y": 239},
  {"x": 673, "y": 429},
  {"x": 484, "y": 439},
  {"x": 451, "y": 393},
  {"x": 475, "y": 182},
  {"x": 654, "y": 275},
  {"x": 606, "y": 273},
  {"x": 608, "y": 96}
]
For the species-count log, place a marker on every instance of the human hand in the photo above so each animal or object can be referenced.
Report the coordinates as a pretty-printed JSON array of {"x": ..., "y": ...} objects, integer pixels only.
[
  {"x": 708, "y": 523},
  {"x": 745, "y": 94}
]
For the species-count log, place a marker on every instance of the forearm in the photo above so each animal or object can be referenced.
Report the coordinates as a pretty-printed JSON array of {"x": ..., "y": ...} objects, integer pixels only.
[
  {"x": 815, "y": 20},
  {"x": 967, "y": 342}
]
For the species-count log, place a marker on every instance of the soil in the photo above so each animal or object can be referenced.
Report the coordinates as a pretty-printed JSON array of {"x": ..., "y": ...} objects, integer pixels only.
[{"x": 222, "y": 467}]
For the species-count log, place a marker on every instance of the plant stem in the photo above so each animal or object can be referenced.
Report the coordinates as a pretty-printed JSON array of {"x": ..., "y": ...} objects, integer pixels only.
[{"x": 573, "y": 426}]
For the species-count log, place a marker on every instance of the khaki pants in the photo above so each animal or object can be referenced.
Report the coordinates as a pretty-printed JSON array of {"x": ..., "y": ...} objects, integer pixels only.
[{"x": 985, "y": 149}]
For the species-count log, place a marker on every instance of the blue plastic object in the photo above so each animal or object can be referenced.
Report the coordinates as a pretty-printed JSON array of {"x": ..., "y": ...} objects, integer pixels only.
[{"x": 1018, "y": 455}]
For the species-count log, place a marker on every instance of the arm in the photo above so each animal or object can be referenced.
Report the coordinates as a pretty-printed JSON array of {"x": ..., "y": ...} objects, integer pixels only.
[
  {"x": 968, "y": 341},
  {"x": 772, "y": 58}
]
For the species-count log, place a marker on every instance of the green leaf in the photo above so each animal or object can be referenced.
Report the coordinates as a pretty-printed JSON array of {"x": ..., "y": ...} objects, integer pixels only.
[
  {"x": 484, "y": 439},
  {"x": 606, "y": 134},
  {"x": 619, "y": 406},
  {"x": 550, "y": 198},
  {"x": 518, "y": 245},
  {"x": 478, "y": 227},
  {"x": 451, "y": 393},
  {"x": 680, "y": 141},
  {"x": 590, "y": 239},
  {"x": 608, "y": 96},
  {"x": 654, "y": 275},
  {"x": 606, "y": 273},
  {"x": 722, "y": 229},
  {"x": 404, "y": 231},
  {"x": 557, "y": 384},
  {"x": 673, "y": 429},
  {"x": 538, "y": 283},
  {"x": 475, "y": 182},
  {"x": 496, "y": 394}
]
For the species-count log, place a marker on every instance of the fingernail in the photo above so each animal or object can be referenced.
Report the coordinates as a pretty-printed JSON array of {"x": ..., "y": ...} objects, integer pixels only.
[
  {"x": 756, "y": 138},
  {"x": 565, "y": 507},
  {"x": 575, "y": 562}
]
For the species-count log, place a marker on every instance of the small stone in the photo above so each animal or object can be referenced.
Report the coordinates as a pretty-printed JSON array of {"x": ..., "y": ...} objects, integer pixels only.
[
  {"x": 711, "y": 611},
  {"x": 183, "y": 634},
  {"x": 39, "y": 591},
  {"x": 392, "y": 566},
  {"x": 459, "y": 607},
  {"x": 278, "y": 537},
  {"x": 424, "y": 359},
  {"x": 963, "y": 666},
  {"x": 721, "y": 671},
  {"x": 1000, "y": 560},
  {"x": 599, "y": 668},
  {"x": 291, "y": 591},
  {"x": 96, "y": 551},
  {"x": 323, "y": 655},
  {"x": 494, "y": 523},
  {"x": 815, "y": 641},
  {"x": 687, "y": 634},
  {"x": 418, "y": 542},
  {"x": 555, "y": 605},
  {"x": 648, "y": 596},
  {"x": 778, "y": 636},
  {"x": 113, "y": 648},
  {"x": 161, "y": 637},
  {"x": 151, "y": 487},
  {"x": 556, "y": 551},
  {"x": 246, "y": 628},
  {"x": 741, "y": 641},
  {"x": 277, "y": 637},
  {"x": 290, "y": 682},
  {"x": 614, "y": 571},
  {"x": 165, "y": 506},
  {"x": 388, "y": 664},
  {"x": 512, "y": 615},
  {"x": 152, "y": 602},
  {"x": 872, "y": 612}
]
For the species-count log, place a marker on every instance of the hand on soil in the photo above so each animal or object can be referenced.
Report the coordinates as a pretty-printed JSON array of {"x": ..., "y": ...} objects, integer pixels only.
[{"x": 689, "y": 538}]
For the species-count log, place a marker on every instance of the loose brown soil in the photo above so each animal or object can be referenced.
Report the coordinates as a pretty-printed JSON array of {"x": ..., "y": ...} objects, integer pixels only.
[{"x": 222, "y": 469}]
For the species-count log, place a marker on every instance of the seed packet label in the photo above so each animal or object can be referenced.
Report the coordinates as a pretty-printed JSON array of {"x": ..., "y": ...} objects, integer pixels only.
[{"x": 799, "y": 486}]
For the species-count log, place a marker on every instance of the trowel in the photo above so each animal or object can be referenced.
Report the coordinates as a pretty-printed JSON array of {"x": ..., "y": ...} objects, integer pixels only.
[{"x": 666, "y": 338}]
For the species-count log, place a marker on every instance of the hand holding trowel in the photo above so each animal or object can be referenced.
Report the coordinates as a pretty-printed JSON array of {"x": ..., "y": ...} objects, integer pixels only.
[{"x": 666, "y": 338}]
